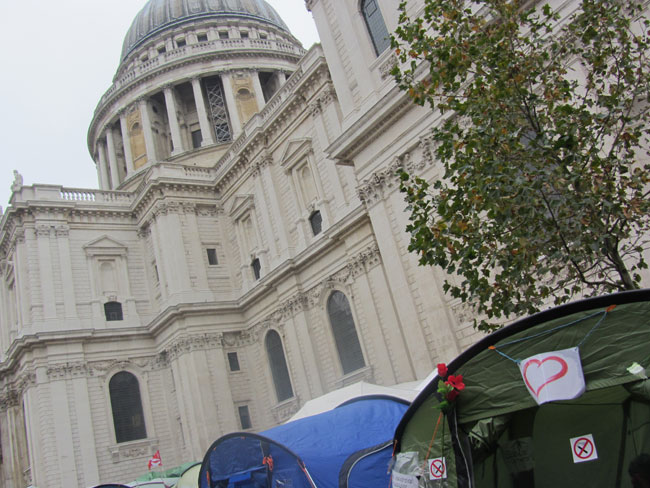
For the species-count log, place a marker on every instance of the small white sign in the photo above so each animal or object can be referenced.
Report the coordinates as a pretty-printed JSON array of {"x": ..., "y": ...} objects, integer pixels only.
[
  {"x": 555, "y": 375},
  {"x": 404, "y": 480},
  {"x": 437, "y": 468},
  {"x": 583, "y": 448}
]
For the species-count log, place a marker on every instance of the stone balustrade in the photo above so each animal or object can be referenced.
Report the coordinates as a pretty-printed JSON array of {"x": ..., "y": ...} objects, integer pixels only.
[{"x": 208, "y": 47}]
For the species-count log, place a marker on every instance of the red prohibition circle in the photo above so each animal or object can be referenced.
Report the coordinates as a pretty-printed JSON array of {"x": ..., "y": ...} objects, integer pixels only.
[
  {"x": 584, "y": 451},
  {"x": 439, "y": 467}
]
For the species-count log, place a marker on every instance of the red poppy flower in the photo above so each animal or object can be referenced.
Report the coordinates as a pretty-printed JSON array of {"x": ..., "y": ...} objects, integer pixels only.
[
  {"x": 456, "y": 382},
  {"x": 442, "y": 370},
  {"x": 452, "y": 395}
]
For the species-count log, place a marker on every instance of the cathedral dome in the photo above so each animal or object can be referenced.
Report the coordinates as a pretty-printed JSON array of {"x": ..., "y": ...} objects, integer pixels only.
[{"x": 158, "y": 15}]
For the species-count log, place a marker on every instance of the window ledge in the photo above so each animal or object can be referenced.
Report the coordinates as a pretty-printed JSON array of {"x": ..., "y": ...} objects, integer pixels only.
[
  {"x": 133, "y": 449},
  {"x": 363, "y": 374},
  {"x": 282, "y": 411}
]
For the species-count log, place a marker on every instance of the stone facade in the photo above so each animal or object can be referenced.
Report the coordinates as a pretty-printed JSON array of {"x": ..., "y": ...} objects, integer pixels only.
[{"x": 243, "y": 181}]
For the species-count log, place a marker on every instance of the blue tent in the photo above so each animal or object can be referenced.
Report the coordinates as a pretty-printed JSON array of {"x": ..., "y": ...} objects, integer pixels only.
[{"x": 348, "y": 447}]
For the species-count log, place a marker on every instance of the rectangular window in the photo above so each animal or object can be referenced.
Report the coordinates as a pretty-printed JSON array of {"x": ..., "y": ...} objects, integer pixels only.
[
  {"x": 180, "y": 43},
  {"x": 244, "y": 417},
  {"x": 212, "y": 257},
  {"x": 262, "y": 36},
  {"x": 243, "y": 35},
  {"x": 202, "y": 37},
  {"x": 233, "y": 361},
  {"x": 162, "y": 50},
  {"x": 197, "y": 139},
  {"x": 223, "y": 35}
]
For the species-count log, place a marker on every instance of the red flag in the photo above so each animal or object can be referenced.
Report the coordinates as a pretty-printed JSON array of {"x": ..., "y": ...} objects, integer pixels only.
[{"x": 155, "y": 461}]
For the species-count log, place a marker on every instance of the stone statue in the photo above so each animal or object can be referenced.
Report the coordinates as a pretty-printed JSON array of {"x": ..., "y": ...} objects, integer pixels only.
[{"x": 18, "y": 181}]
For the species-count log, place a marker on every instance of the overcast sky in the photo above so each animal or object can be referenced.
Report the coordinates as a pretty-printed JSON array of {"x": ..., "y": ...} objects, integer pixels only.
[{"x": 58, "y": 58}]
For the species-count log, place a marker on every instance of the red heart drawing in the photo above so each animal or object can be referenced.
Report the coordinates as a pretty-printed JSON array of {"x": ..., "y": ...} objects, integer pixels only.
[{"x": 564, "y": 367}]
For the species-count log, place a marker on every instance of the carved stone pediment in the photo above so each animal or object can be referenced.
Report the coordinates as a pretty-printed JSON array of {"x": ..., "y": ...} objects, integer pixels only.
[
  {"x": 105, "y": 246},
  {"x": 294, "y": 152}
]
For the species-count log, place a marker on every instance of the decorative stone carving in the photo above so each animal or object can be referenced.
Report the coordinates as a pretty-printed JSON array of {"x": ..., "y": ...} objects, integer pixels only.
[
  {"x": 43, "y": 230},
  {"x": 69, "y": 370},
  {"x": 62, "y": 230},
  {"x": 187, "y": 344},
  {"x": 133, "y": 450},
  {"x": 464, "y": 312},
  {"x": 164, "y": 208},
  {"x": 9, "y": 399},
  {"x": 386, "y": 67},
  {"x": 328, "y": 96},
  {"x": 283, "y": 411},
  {"x": 315, "y": 108}
]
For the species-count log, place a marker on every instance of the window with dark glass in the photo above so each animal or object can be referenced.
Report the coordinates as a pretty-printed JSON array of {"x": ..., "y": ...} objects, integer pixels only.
[
  {"x": 212, "y": 257},
  {"x": 223, "y": 35},
  {"x": 278, "y": 363},
  {"x": 197, "y": 138},
  {"x": 376, "y": 26},
  {"x": 180, "y": 43},
  {"x": 162, "y": 50},
  {"x": 316, "y": 222},
  {"x": 202, "y": 37},
  {"x": 113, "y": 311},
  {"x": 128, "y": 416},
  {"x": 243, "y": 35},
  {"x": 244, "y": 417},
  {"x": 257, "y": 268},
  {"x": 233, "y": 361},
  {"x": 345, "y": 333}
]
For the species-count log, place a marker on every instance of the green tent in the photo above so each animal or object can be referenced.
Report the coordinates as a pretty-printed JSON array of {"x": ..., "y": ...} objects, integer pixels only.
[{"x": 494, "y": 434}]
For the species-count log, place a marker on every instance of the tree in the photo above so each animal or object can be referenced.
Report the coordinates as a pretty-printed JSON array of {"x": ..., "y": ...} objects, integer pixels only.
[{"x": 543, "y": 142}]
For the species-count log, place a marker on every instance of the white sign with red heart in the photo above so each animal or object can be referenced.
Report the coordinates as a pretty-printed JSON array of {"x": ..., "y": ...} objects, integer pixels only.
[{"x": 555, "y": 375}]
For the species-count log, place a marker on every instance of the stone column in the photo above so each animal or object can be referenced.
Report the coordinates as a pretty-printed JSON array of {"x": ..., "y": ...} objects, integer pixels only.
[
  {"x": 170, "y": 102},
  {"x": 103, "y": 166},
  {"x": 69, "y": 299},
  {"x": 282, "y": 78},
  {"x": 231, "y": 104},
  {"x": 310, "y": 359},
  {"x": 204, "y": 122},
  {"x": 43, "y": 232},
  {"x": 338, "y": 196},
  {"x": 149, "y": 143},
  {"x": 259, "y": 93},
  {"x": 126, "y": 140},
  {"x": 407, "y": 313},
  {"x": 112, "y": 158},
  {"x": 272, "y": 204},
  {"x": 21, "y": 286}
]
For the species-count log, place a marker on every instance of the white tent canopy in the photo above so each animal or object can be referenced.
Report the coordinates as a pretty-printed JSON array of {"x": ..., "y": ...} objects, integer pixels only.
[{"x": 405, "y": 391}]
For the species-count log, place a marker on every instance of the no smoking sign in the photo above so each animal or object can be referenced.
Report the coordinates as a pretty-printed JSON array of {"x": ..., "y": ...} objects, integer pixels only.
[
  {"x": 583, "y": 448},
  {"x": 437, "y": 468}
]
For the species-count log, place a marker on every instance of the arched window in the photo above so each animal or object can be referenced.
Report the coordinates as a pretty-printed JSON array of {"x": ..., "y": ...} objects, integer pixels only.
[
  {"x": 278, "y": 364},
  {"x": 113, "y": 311},
  {"x": 376, "y": 26},
  {"x": 345, "y": 333},
  {"x": 316, "y": 222},
  {"x": 128, "y": 417}
]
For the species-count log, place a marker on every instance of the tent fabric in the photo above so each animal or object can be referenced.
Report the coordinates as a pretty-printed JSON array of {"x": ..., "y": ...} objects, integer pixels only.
[
  {"x": 405, "y": 391},
  {"x": 190, "y": 477},
  {"x": 312, "y": 451},
  {"x": 497, "y": 436}
]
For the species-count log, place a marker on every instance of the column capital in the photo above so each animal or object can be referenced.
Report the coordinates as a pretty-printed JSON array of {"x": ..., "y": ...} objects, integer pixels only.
[{"x": 168, "y": 86}]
